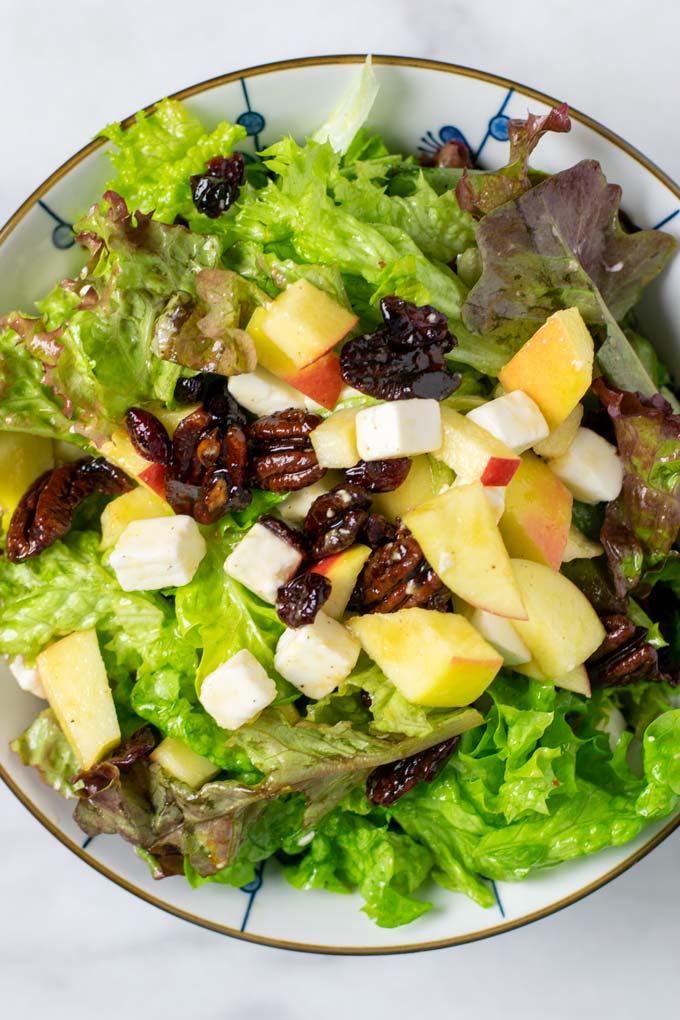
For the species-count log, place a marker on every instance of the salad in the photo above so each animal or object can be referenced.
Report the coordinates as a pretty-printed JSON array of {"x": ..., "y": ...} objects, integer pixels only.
[{"x": 340, "y": 498}]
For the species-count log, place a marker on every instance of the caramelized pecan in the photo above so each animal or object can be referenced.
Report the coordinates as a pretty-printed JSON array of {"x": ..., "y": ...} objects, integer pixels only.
[
  {"x": 378, "y": 530},
  {"x": 380, "y": 475},
  {"x": 46, "y": 510},
  {"x": 625, "y": 656},
  {"x": 397, "y": 576},
  {"x": 282, "y": 457},
  {"x": 336, "y": 518},
  {"x": 388, "y": 783}
]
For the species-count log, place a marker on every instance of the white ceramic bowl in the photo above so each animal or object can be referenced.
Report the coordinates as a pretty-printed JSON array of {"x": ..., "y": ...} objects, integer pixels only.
[{"x": 421, "y": 104}]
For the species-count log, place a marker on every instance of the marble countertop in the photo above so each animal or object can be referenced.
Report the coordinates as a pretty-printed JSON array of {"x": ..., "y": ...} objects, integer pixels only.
[{"x": 70, "y": 941}]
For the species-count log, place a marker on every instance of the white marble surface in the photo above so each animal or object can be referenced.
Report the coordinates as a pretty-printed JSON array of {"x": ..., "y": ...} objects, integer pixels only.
[{"x": 70, "y": 942}]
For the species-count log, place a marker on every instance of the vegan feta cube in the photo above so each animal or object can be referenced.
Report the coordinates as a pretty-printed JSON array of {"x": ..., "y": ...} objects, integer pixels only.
[
  {"x": 262, "y": 562},
  {"x": 262, "y": 393},
  {"x": 26, "y": 676},
  {"x": 398, "y": 428},
  {"x": 317, "y": 657},
  {"x": 514, "y": 418},
  {"x": 591, "y": 468},
  {"x": 237, "y": 691},
  {"x": 159, "y": 552}
]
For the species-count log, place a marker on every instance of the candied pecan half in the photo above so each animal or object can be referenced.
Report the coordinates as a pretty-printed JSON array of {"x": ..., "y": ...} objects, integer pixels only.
[
  {"x": 282, "y": 457},
  {"x": 625, "y": 656},
  {"x": 336, "y": 518},
  {"x": 405, "y": 358},
  {"x": 388, "y": 783},
  {"x": 45, "y": 512},
  {"x": 298, "y": 601},
  {"x": 397, "y": 576},
  {"x": 148, "y": 435},
  {"x": 380, "y": 475},
  {"x": 378, "y": 530}
]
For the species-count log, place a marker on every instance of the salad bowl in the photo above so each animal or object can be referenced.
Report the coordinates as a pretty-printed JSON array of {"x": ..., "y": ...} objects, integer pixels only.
[{"x": 421, "y": 106}]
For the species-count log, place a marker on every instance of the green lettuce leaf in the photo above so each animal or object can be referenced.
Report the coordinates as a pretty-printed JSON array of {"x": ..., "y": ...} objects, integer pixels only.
[
  {"x": 44, "y": 746},
  {"x": 74, "y": 374},
  {"x": 156, "y": 155}
]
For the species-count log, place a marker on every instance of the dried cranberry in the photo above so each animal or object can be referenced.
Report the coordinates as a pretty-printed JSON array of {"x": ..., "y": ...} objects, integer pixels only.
[
  {"x": 336, "y": 518},
  {"x": 388, "y": 783},
  {"x": 403, "y": 359},
  {"x": 298, "y": 601},
  {"x": 378, "y": 530},
  {"x": 218, "y": 187},
  {"x": 189, "y": 389},
  {"x": 379, "y": 475},
  {"x": 148, "y": 435}
]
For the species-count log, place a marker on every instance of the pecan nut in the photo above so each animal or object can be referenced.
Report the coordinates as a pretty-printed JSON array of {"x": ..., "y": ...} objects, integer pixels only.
[
  {"x": 282, "y": 458},
  {"x": 380, "y": 475},
  {"x": 397, "y": 576},
  {"x": 625, "y": 656},
  {"x": 45, "y": 511},
  {"x": 335, "y": 519}
]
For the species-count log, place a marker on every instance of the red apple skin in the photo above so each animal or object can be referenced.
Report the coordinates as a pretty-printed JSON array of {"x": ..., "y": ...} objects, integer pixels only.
[
  {"x": 154, "y": 477},
  {"x": 499, "y": 471},
  {"x": 321, "y": 381}
]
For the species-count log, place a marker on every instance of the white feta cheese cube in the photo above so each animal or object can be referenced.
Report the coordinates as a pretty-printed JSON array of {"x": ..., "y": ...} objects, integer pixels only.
[
  {"x": 263, "y": 561},
  {"x": 500, "y": 633},
  {"x": 398, "y": 428},
  {"x": 295, "y": 507},
  {"x": 591, "y": 468},
  {"x": 160, "y": 552},
  {"x": 237, "y": 691},
  {"x": 317, "y": 657},
  {"x": 514, "y": 418},
  {"x": 262, "y": 393},
  {"x": 26, "y": 676}
]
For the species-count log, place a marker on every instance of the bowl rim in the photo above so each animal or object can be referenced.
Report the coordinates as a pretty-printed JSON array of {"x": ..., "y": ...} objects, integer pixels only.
[{"x": 8, "y": 228}]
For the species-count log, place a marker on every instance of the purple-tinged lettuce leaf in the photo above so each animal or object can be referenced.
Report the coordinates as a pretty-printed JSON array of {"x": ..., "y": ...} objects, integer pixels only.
[
  {"x": 44, "y": 746},
  {"x": 207, "y": 334},
  {"x": 641, "y": 526},
  {"x": 560, "y": 245},
  {"x": 208, "y": 826},
  {"x": 481, "y": 193}
]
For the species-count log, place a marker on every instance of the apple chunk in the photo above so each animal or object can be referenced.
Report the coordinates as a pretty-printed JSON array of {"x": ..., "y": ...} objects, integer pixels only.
[
  {"x": 459, "y": 536},
  {"x": 120, "y": 451},
  {"x": 74, "y": 679},
  {"x": 179, "y": 760},
  {"x": 342, "y": 570},
  {"x": 139, "y": 504},
  {"x": 563, "y": 629},
  {"x": 335, "y": 439},
  {"x": 298, "y": 327},
  {"x": 433, "y": 659},
  {"x": 23, "y": 458},
  {"x": 555, "y": 366},
  {"x": 473, "y": 453},
  {"x": 576, "y": 680},
  {"x": 537, "y": 516},
  {"x": 416, "y": 489}
]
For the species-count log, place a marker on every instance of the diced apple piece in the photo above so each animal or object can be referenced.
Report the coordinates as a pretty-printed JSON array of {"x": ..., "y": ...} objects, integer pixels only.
[
  {"x": 514, "y": 418},
  {"x": 120, "y": 451},
  {"x": 23, "y": 458},
  {"x": 342, "y": 570},
  {"x": 180, "y": 761},
  {"x": 295, "y": 507},
  {"x": 74, "y": 679},
  {"x": 555, "y": 366},
  {"x": 591, "y": 468},
  {"x": 321, "y": 381},
  {"x": 563, "y": 629},
  {"x": 298, "y": 327},
  {"x": 460, "y": 539},
  {"x": 172, "y": 418},
  {"x": 433, "y": 659},
  {"x": 501, "y": 635},
  {"x": 418, "y": 487},
  {"x": 335, "y": 439},
  {"x": 495, "y": 495},
  {"x": 579, "y": 547},
  {"x": 576, "y": 680},
  {"x": 139, "y": 504},
  {"x": 535, "y": 524},
  {"x": 473, "y": 453},
  {"x": 561, "y": 438}
]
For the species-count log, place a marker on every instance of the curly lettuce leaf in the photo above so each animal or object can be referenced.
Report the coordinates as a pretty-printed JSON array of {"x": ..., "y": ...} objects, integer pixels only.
[
  {"x": 481, "y": 193},
  {"x": 559, "y": 245},
  {"x": 155, "y": 156},
  {"x": 351, "y": 110},
  {"x": 641, "y": 525},
  {"x": 44, "y": 746},
  {"x": 73, "y": 373}
]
